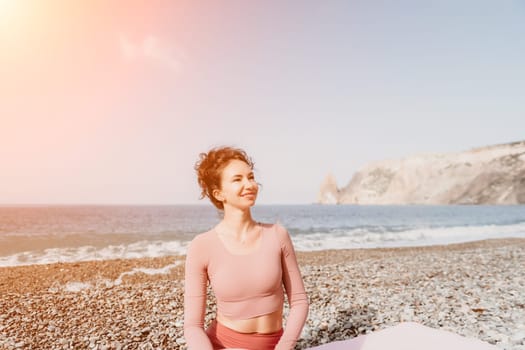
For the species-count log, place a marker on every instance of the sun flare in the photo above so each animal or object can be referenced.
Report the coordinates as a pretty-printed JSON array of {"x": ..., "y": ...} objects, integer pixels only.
[
  {"x": 6, "y": 5},
  {"x": 7, "y": 10}
]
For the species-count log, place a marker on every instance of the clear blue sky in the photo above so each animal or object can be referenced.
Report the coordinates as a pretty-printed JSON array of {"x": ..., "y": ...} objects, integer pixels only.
[{"x": 107, "y": 104}]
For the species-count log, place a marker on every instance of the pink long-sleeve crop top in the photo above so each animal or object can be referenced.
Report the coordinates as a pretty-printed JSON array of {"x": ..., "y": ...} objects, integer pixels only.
[{"x": 245, "y": 286}]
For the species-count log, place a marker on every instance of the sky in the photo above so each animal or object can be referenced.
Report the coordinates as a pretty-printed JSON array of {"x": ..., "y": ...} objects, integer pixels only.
[{"x": 102, "y": 103}]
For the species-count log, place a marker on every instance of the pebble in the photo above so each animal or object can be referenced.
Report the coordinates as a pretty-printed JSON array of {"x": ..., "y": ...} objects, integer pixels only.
[{"x": 476, "y": 291}]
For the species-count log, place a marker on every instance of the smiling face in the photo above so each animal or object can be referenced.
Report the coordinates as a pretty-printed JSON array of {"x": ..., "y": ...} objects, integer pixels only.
[{"x": 238, "y": 186}]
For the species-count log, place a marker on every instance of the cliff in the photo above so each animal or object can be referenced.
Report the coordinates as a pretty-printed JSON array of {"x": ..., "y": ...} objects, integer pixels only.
[
  {"x": 486, "y": 175},
  {"x": 329, "y": 193}
]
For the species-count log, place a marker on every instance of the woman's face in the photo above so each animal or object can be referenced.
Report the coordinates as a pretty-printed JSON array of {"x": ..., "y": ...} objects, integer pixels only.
[{"x": 238, "y": 185}]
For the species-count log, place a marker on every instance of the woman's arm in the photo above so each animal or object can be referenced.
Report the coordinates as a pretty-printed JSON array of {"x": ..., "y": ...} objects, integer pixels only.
[
  {"x": 195, "y": 281},
  {"x": 297, "y": 298}
]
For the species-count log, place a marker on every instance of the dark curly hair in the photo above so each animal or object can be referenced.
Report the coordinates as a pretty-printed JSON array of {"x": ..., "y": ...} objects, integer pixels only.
[{"x": 209, "y": 168}]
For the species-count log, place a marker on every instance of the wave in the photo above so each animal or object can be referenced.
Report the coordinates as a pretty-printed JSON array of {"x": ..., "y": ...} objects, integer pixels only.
[
  {"x": 142, "y": 249},
  {"x": 311, "y": 240},
  {"x": 383, "y": 238},
  {"x": 75, "y": 286},
  {"x": 148, "y": 271}
]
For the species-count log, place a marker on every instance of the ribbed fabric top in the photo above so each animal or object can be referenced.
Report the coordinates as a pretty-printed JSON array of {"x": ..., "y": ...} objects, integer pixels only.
[{"x": 245, "y": 286}]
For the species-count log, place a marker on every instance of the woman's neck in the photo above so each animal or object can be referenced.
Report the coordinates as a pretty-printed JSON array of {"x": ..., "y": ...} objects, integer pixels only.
[{"x": 237, "y": 222}]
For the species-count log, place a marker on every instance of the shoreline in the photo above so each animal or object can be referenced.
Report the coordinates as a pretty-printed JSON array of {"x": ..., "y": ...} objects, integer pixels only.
[
  {"x": 474, "y": 289},
  {"x": 306, "y": 254}
]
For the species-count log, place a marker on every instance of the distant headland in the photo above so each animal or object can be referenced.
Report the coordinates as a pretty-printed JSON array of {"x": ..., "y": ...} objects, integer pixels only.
[{"x": 485, "y": 175}]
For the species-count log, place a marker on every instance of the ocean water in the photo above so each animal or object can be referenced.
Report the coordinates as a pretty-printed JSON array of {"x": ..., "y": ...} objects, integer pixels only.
[{"x": 47, "y": 234}]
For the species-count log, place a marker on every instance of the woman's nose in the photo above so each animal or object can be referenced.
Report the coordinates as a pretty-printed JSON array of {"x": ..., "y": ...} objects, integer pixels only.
[{"x": 250, "y": 183}]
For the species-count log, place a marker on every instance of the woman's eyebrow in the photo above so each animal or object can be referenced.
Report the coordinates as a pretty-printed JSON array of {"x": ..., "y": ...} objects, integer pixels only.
[{"x": 241, "y": 175}]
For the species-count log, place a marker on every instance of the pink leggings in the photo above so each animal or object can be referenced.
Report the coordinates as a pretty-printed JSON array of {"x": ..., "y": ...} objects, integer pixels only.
[{"x": 223, "y": 337}]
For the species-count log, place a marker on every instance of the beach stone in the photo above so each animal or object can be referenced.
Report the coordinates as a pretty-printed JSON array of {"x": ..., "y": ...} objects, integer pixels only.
[
  {"x": 360, "y": 291},
  {"x": 518, "y": 338}
]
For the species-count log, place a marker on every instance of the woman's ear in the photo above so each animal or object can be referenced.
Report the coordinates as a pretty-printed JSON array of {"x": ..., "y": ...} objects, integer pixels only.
[{"x": 217, "y": 195}]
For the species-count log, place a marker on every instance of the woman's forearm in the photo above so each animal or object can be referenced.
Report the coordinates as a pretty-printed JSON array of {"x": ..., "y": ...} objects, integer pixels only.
[{"x": 294, "y": 323}]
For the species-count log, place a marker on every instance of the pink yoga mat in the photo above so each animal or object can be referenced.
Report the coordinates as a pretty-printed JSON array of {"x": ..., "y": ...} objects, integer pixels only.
[{"x": 408, "y": 336}]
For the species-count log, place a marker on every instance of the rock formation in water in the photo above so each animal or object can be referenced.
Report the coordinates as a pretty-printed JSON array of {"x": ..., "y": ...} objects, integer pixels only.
[
  {"x": 329, "y": 193},
  {"x": 486, "y": 175}
]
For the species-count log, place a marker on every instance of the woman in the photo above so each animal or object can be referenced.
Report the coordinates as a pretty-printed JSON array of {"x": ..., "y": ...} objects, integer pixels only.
[{"x": 246, "y": 262}]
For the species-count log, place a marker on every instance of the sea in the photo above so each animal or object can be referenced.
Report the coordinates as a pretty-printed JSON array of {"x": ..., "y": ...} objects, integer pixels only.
[{"x": 50, "y": 233}]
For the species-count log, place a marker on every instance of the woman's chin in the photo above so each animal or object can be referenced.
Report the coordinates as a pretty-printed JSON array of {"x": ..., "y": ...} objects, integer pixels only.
[{"x": 244, "y": 205}]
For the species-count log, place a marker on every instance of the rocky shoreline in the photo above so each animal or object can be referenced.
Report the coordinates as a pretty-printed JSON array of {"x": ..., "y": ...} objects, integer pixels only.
[
  {"x": 492, "y": 174},
  {"x": 474, "y": 289}
]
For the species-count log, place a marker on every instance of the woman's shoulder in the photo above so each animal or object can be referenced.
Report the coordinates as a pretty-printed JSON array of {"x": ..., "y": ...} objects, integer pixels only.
[
  {"x": 270, "y": 225},
  {"x": 202, "y": 239},
  {"x": 275, "y": 229}
]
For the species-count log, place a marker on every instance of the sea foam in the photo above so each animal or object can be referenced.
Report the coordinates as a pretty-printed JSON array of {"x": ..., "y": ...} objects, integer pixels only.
[{"x": 142, "y": 249}]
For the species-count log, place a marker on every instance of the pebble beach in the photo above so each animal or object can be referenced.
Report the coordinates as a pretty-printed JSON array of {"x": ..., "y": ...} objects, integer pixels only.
[{"x": 475, "y": 289}]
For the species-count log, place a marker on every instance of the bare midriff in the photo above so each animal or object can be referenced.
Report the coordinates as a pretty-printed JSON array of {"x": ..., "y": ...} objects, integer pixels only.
[{"x": 269, "y": 323}]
